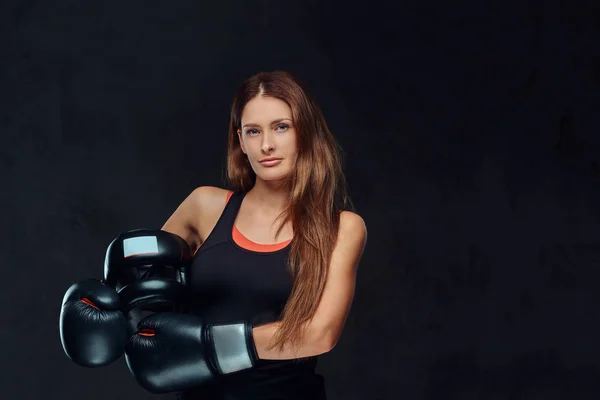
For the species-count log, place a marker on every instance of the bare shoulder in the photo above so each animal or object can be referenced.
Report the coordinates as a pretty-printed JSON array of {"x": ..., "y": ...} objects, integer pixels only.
[
  {"x": 210, "y": 202},
  {"x": 198, "y": 212},
  {"x": 353, "y": 229},
  {"x": 350, "y": 244},
  {"x": 209, "y": 197},
  {"x": 351, "y": 221}
]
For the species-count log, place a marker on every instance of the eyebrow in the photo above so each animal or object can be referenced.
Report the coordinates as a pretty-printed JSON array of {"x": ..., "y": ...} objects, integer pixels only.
[{"x": 273, "y": 122}]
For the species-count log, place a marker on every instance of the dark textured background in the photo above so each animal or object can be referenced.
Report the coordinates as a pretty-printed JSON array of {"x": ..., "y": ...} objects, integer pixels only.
[{"x": 473, "y": 146}]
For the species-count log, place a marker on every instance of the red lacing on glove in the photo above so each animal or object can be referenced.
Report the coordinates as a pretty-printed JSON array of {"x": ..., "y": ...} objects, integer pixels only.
[{"x": 89, "y": 303}]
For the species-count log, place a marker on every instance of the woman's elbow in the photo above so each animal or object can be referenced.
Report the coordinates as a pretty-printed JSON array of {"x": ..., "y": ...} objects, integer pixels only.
[{"x": 328, "y": 341}]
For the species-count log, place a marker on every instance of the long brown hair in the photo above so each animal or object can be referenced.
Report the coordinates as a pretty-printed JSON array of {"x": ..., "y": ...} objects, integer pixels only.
[{"x": 317, "y": 194}]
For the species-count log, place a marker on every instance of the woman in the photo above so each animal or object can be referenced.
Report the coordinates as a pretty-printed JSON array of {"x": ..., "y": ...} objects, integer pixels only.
[{"x": 279, "y": 251}]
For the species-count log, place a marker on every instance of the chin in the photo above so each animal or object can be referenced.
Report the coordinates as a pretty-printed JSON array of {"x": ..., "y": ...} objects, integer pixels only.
[
  {"x": 276, "y": 178},
  {"x": 272, "y": 176}
]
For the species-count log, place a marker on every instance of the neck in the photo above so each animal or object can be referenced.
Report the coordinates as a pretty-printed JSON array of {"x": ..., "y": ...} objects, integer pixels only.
[{"x": 269, "y": 195}]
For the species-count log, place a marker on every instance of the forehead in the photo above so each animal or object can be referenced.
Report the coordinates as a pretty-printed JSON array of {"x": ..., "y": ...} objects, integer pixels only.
[{"x": 265, "y": 109}]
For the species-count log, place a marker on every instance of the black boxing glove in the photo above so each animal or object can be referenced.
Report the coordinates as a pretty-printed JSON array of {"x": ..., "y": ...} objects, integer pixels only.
[
  {"x": 173, "y": 352},
  {"x": 93, "y": 330},
  {"x": 148, "y": 269},
  {"x": 145, "y": 254}
]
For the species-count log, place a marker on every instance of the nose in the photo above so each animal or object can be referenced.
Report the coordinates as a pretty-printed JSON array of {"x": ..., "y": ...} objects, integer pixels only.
[{"x": 268, "y": 143}]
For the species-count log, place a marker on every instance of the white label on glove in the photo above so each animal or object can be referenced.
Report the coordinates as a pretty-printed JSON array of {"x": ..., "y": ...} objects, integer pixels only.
[{"x": 140, "y": 245}]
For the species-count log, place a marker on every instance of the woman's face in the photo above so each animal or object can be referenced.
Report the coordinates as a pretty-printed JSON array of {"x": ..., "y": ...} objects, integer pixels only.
[{"x": 268, "y": 133}]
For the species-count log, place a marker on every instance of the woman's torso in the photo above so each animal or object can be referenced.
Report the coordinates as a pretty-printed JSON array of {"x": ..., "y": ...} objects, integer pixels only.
[{"x": 233, "y": 278}]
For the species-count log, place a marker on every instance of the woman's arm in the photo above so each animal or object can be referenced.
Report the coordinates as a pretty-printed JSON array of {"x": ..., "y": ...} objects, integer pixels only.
[
  {"x": 325, "y": 328},
  {"x": 182, "y": 221},
  {"x": 195, "y": 210}
]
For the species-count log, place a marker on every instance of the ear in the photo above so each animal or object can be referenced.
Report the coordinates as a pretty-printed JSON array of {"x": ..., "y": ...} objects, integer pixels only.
[{"x": 239, "y": 133}]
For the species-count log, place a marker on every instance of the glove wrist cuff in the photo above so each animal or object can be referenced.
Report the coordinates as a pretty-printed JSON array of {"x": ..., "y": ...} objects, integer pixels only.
[{"x": 233, "y": 347}]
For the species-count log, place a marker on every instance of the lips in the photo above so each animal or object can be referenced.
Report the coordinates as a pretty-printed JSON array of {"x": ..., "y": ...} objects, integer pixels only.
[
  {"x": 270, "y": 162},
  {"x": 269, "y": 159}
]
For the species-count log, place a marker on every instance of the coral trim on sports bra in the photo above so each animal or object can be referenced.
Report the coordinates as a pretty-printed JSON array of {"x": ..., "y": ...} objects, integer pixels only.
[{"x": 248, "y": 244}]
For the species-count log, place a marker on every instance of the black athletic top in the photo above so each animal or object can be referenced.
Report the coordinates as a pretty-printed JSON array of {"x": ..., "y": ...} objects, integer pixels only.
[{"x": 233, "y": 280}]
